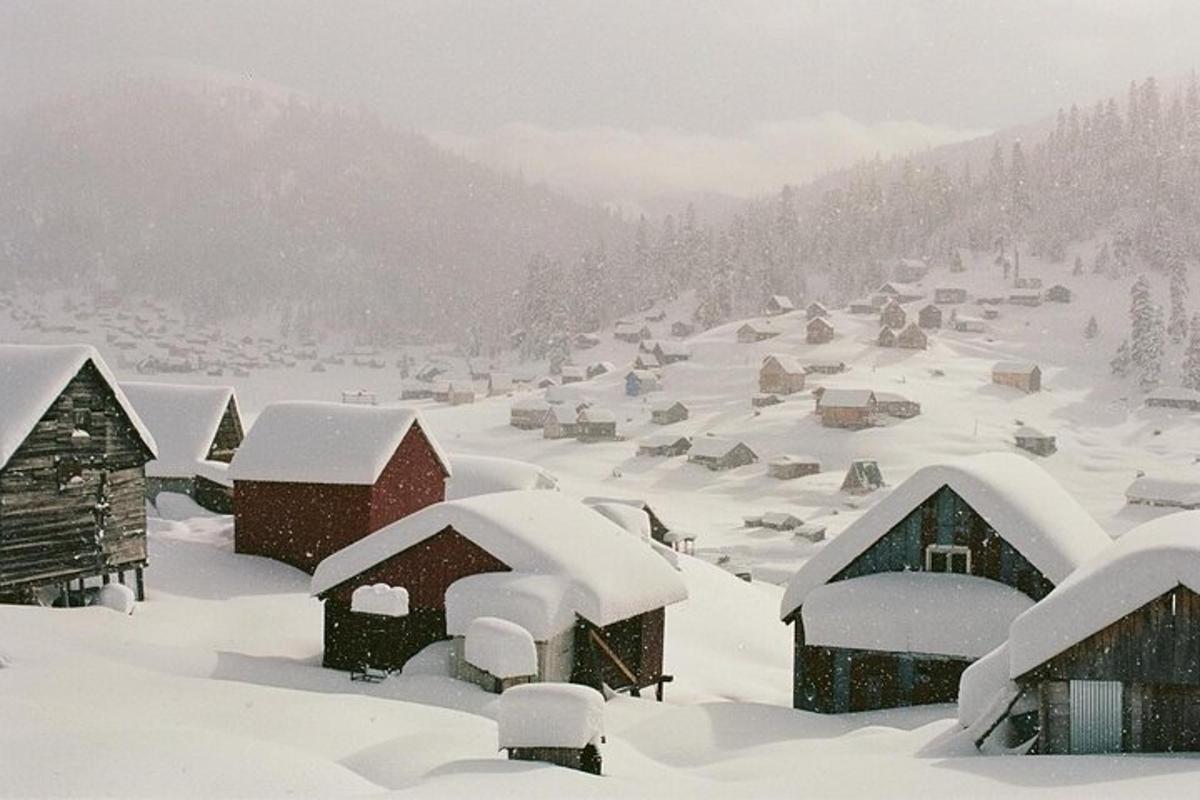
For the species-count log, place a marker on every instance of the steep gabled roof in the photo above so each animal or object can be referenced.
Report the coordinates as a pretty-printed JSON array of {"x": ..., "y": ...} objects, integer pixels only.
[
  {"x": 787, "y": 363},
  {"x": 184, "y": 420},
  {"x": 715, "y": 447},
  {"x": 1014, "y": 367},
  {"x": 33, "y": 376},
  {"x": 1019, "y": 499},
  {"x": 847, "y": 398},
  {"x": 305, "y": 442}
]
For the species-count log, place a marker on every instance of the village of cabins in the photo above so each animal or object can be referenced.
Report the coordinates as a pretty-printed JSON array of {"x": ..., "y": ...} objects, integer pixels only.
[{"x": 978, "y": 580}]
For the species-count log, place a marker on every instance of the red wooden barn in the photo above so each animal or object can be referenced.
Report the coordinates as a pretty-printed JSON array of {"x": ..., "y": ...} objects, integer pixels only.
[
  {"x": 592, "y": 596},
  {"x": 311, "y": 478}
]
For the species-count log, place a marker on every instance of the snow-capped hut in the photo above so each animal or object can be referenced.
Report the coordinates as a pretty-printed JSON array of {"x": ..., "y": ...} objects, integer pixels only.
[
  {"x": 717, "y": 453},
  {"x": 666, "y": 445},
  {"x": 779, "y": 304},
  {"x": 499, "y": 383},
  {"x": 909, "y": 270},
  {"x": 597, "y": 425},
  {"x": 847, "y": 408},
  {"x": 311, "y": 478},
  {"x": 864, "y": 306},
  {"x": 912, "y": 338},
  {"x": 668, "y": 412},
  {"x": 930, "y": 317},
  {"x": 598, "y": 368},
  {"x": 561, "y": 422},
  {"x": 558, "y": 724},
  {"x": 73, "y": 452},
  {"x": 1023, "y": 375},
  {"x": 819, "y": 330},
  {"x": 815, "y": 310},
  {"x": 949, "y": 296},
  {"x": 671, "y": 352},
  {"x": 756, "y": 331},
  {"x": 681, "y": 329},
  {"x": 197, "y": 429},
  {"x": 893, "y": 315},
  {"x": 896, "y": 405},
  {"x": 592, "y": 597},
  {"x": 631, "y": 332},
  {"x": 528, "y": 413},
  {"x": 659, "y": 530},
  {"x": 646, "y": 361},
  {"x": 586, "y": 341},
  {"x": 781, "y": 374},
  {"x": 969, "y": 325},
  {"x": 886, "y": 337},
  {"x": 825, "y": 367},
  {"x": 1058, "y": 294},
  {"x": 1110, "y": 660},
  {"x": 1163, "y": 492},
  {"x": 1032, "y": 299},
  {"x": 1034, "y": 441},
  {"x": 789, "y": 467},
  {"x": 641, "y": 381},
  {"x": 573, "y": 373},
  {"x": 1174, "y": 397},
  {"x": 863, "y": 477},
  {"x": 893, "y": 609},
  {"x": 414, "y": 389}
]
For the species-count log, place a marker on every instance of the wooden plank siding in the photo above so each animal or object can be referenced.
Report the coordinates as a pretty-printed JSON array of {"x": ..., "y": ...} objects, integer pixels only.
[
  {"x": 229, "y": 434},
  {"x": 70, "y": 506}
]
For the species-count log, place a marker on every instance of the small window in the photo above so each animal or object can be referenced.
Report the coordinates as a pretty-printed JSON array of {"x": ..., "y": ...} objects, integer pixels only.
[{"x": 948, "y": 558}]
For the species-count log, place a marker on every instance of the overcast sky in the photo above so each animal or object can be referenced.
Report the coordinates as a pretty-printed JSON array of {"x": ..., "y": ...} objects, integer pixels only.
[{"x": 624, "y": 99}]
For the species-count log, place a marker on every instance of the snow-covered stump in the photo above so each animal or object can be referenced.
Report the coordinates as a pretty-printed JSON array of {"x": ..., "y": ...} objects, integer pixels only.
[
  {"x": 559, "y": 723},
  {"x": 497, "y": 655}
]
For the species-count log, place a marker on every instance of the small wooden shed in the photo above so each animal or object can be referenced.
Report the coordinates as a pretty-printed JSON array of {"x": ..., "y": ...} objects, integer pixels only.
[
  {"x": 949, "y": 296},
  {"x": 560, "y": 422},
  {"x": 668, "y": 412},
  {"x": 756, "y": 331},
  {"x": 790, "y": 467},
  {"x": 896, "y": 405},
  {"x": 819, "y": 330},
  {"x": 528, "y": 413},
  {"x": 781, "y": 374},
  {"x": 597, "y": 425},
  {"x": 930, "y": 317},
  {"x": 863, "y": 477},
  {"x": 1023, "y": 375},
  {"x": 640, "y": 381},
  {"x": 671, "y": 352},
  {"x": 779, "y": 304},
  {"x": 893, "y": 315},
  {"x": 815, "y": 310},
  {"x": 664, "y": 445},
  {"x": 717, "y": 453},
  {"x": 847, "y": 408},
  {"x": 1034, "y": 441}
]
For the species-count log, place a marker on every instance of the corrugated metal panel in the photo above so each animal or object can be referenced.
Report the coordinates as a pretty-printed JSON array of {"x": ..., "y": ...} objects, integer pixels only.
[{"x": 1095, "y": 716}]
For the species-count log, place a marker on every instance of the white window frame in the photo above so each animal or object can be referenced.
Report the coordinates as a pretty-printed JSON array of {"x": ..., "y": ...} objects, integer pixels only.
[{"x": 950, "y": 551}]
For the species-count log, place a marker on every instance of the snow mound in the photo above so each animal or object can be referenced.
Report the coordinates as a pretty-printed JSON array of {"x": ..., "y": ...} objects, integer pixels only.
[
  {"x": 537, "y": 603},
  {"x": 118, "y": 597},
  {"x": 630, "y": 518},
  {"x": 381, "y": 599},
  {"x": 551, "y": 715},
  {"x": 984, "y": 686},
  {"x": 500, "y": 647},
  {"x": 476, "y": 475}
]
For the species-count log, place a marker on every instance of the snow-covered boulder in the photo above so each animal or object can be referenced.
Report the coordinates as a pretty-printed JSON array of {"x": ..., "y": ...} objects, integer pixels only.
[
  {"x": 551, "y": 715},
  {"x": 381, "y": 599},
  {"x": 118, "y": 597},
  {"x": 501, "y": 648}
]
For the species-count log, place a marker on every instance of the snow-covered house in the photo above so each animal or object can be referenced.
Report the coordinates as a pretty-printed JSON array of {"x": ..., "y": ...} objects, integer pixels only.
[
  {"x": 929, "y": 317},
  {"x": 1023, "y": 375},
  {"x": 790, "y": 467},
  {"x": 561, "y": 422},
  {"x": 528, "y": 413},
  {"x": 598, "y": 368},
  {"x": 909, "y": 270},
  {"x": 847, "y": 408},
  {"x": 641, "y": 381},
  {"x": 1034, "y": 441},
  {"x": 781, "y": 374},
  {"x": 592, "y": 597},
  {"x": 819, "y": 330},
  {"x": 631, "y": 332},
  {"x": 886, "y": 337},
  {"x": 197, "y": 429},
  {"x": 779, "y": 304},
  {"x": 73, "y": 451},
  {"x": 311, "y": 478},
  {"x": 893, "y": 315},
  {"x": 815, "y": 310},
  {"x": 474, "y": 475},
  {"x": 681, "y": 329},
  {"x": 756, "y": 331},
  {"x": 912, "y": 338},
  {"x": 718, "y": 453},
  {"x": 414, "y": 389},
  {"x": 671, "y": 352},
  {"x": 573, "y": 373},
  {"x": 664, "y": 445},
  {"x": 646, "y": 361},
  {"x": 1107, "y": 662},
  {"x": 894, "y": 608},
  {"x": 1032, "y": 299},
  {"x": 1163, "y": 492},
  {"x": 668, "y": 412},
  {"x": 947, "y": 295},
  {"x": 862, "y": 477},
  {"x": 1174, "y": 397},
  {"x": 597, "y": 425},
  {"x": 896, "y": 405},
  {"x": 1058, "y": 294}
]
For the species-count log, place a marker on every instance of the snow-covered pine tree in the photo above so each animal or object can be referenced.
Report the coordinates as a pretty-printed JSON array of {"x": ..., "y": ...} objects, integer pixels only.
[
  {"x": 1122, "y": 362},
  {"x": 1092, "y": 329},
  {"x": 1101, "y": 261},
  {"x": 1141, "y": 315},
  {"x": 1190, "y": 376},
  {"x": 1078, "y": 270},
  {"x": 1156, "y": 340},
  {"x": 1177, "y": 328}
]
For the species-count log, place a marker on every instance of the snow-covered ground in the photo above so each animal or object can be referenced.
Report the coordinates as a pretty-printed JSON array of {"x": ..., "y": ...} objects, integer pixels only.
[{"x": 214, "y": 686}]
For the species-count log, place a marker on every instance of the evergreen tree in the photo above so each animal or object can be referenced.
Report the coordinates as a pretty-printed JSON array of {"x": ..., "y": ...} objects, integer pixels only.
[
  {"x": 1078, "y": 270},
  {"x": 1141, "y": 322},
  {"x": 1100, "y": 263},
  {"x": 1092, "y": 330},
  {"x": 1178, "y": 326},
  {"x": 1151, "y": 369},
  {"x": 1122, "y": 362},
  {"x": 1191, "y": 357}
]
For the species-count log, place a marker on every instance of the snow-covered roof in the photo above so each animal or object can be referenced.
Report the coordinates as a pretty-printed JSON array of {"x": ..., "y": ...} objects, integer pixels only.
[
  {"x": 891, "y": 397},
  {"x": 597, "y": 415},
  {"x": 795, "y": 459},
  {"x": 846, "y": 398},
  {"x": 782, "y": 301},
  {"x": 613, "y": 576},
  {"x": 1175, "y": 394},
  {"x": 1014, "y": 367},
  {"x": 661, "y": 439},
  {"x": 305, "y": 442},
  {"x": 1030, "y": 432},
  {"x": 475, "y": 475},
  {"x": 1168, "y": 491},
  {"x": 551, "y": 715},
  {"x": 673, "y": 348},
  {"x": 982, "y": 685},
  {"x": 564, "y": 415},
  {"x": 913, "y": 612},
  {"x": 530, "y": 403},
  {"x": 758, "y": 326},
  {"x": 33, "y": 376},
  {"x": 787, "y": 362},
  {"x": 820, "y": 321},
  {"x": 1145, "y": 563},
  {"x": 500, "y": 648},
  {"x": 1018, "y": 498},
  {"x": 184, "y": 420},
  {"x": 713, "y": 446},
  {"x": 574, "y": 371},
  {"x": 632, "y": 519},
  {"x": 535, "y": 602},
  {"x": 665, "y": 405}
]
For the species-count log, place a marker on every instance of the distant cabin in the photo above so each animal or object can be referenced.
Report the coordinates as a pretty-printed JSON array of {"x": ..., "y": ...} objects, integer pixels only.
[
  {"x": 561, "y": 422},
  {"x": 639, "y": 382},
  {"x": 886, "y": 337},
  {"x": 863, "y": 477},
  {"x": 73, "y": 452},
  {"x": 864, "y": 306},
  {"x": 664, "y": 445},
  {"x": 671, "y": 352},
  {"x": 896, "y": 405},
  {"x": 781, "y": 374},
  {"x": 815, "y": 310},
  {"x": 930, "y": 317},
  {"x": 893, "y": 316},
  {"x": 460, "y": 395},
  {"x": 413, "y": 389},
  {"x": 586, "y": 341},
  {"x": 718, "y": 454},
  {"x": 1175, "y": 397},
  {"x": 594, "y": 601},
  {"x": 948, "y": 296},
  {"x": 528, "y": 413},
  {"x": 1099, "y": 668},
  {"x": 847, "y": 408},
  {"x": 969, "y": 325},
  {"x": 1163, "y": 493},
  {"x": 597, "y": 425},
  {"x": 647, "y": 345},
  {"x": 780, "y": 521},
  {"x": 825, "y": 367},
  {"x": 668, "y": 413},
  {"x": 573, "y": 373},
  {"x": 1028, "y": 283},
  {"x": 757, "y": 331},
  {"x": 910, "y": 270},
  {"x": 681, "y": 329},
  {"x": 779, "y": 304},
  {"x": 657, "y": 315},
  {"x": 311, "y": 478},
  {"x": 928, "y": 580},
  {"x": 765, "y": 399},
  {"x": 819, "y": 330},
  {"x": 1058, "y": 294},
  {"x": 197, "y": 429},
  {"x": 441, "y": 392},
  {"x": 789, "y": 467},
  {"x": 912, "y": 338},
  {"x": 888, "y": 290},
  {"x": 1034, "y": 441},
  {"x": 499, "y": 383},
  {"x": 1023, "y": 375},
  {"x": 646, "y": 361},
  {"x": 1025, "y": 299},
  {"x": 631, "y": 332},
  {"x": 598, "y": 368}
]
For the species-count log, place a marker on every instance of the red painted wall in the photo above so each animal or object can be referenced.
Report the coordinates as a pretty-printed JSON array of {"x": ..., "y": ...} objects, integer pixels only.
[{"x": 412, "y": 480}]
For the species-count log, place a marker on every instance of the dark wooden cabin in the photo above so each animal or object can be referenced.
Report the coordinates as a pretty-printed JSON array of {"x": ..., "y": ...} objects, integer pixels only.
[
  {"x": 931, "y": 544},
  {"x": 72, "y": 476},
  {"x": 312, "y": 478}
]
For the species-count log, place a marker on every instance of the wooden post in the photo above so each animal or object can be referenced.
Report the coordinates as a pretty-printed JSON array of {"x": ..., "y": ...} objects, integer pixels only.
[
  {"x": 106, "y": 578},
  {"x": 121, "y": 577},
  {"x": 141, "y": 583}
]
